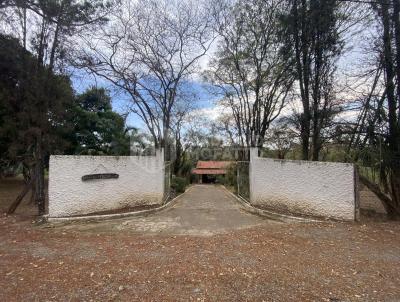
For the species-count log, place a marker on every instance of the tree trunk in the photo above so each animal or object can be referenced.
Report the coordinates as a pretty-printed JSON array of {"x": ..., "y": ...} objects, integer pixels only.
[
  {"x": 39, "y": 178},
  {"x": 393, "y": 136},
  {"x": 396, "y": 21},
  {"x": 24, "y": 28},
  {"x": 166, "y": 144},
  {"x": 178, "y": 155},
  {"x": 394, "y": 118},
  {"x": 387, "y": 202},
  {"x": 395, "y": 186},
  {"x": 388, "y": 64},
  {"x": 32, "y": 199},
  {"x": 305, "y": 135},
  {"x": 316, "y": 148},
  {"x": 300, "y": 30}
]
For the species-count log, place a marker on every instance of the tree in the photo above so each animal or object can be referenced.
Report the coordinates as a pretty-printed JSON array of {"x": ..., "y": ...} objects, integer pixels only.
[
  {"x": 225, "y": 125},
  {"x": 281, "y": 138},
  {"x": 388, "y": 14},
  {"x": 374, "y": 140},
  {"x": 178, "y": 119},
  {"x": 26, "y": 88},
  {"x": 249, "y": 70},
  {"x": 392, "y": 58},
  {"x": 97, "y": 129},
  {"x": 5, "y": 3},
  {"x": 149, "y": 51},
  {"x": 53, "y": 23},
  {"x": 10, "y": 75},
  {"x": 311, "y": 28}
]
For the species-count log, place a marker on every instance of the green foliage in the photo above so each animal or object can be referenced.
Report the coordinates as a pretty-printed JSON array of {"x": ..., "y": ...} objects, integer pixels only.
[
  {"x": 237, "y": 177},
  {"x": 33, "y": 103},
  {"x": 230, "y": 176},
  {"x": 34, "y": 100},
  {"x": 97, "y": 129},
  {"x": 185, "y": 167},
  {"x": 311, "y": 33},
  {"x": 220, "y": 179},
  {"x": 179, "y": 184},
  {"x": 61, "y": 19}
]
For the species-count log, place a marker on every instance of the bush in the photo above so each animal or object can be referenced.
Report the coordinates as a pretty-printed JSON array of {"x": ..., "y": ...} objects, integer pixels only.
[
  {"x": 230, "y": 176},
  {"x": 178, "y": 184},
  {"x": 220, "y": 179}
]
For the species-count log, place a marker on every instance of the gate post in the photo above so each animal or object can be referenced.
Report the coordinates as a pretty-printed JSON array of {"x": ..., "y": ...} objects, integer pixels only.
[
  {"x": 160, "y": 154},
  {"x": 253, "y": 155}
]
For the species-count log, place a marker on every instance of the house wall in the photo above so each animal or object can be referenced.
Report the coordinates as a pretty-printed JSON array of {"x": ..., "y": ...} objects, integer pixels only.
[
  {"x": 321, "y": 189},
  {"x": 140, "y": 182}
]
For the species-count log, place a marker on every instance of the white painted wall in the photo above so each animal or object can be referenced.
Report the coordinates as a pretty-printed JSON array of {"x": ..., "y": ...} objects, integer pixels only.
[
  {"x": 303, "y": 187},
  {"x": 140, "y": 182}
]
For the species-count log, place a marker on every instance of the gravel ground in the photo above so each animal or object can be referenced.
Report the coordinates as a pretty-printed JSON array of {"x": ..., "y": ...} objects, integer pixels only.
[
  {"x": 260, "y": 261},
  {"x": 278, "y": 262}
]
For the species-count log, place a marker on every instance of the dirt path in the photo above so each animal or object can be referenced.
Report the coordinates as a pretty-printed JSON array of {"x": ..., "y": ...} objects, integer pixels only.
[
  {"x": 202, "y": 210},
  {"x": 173, "y": 256}
]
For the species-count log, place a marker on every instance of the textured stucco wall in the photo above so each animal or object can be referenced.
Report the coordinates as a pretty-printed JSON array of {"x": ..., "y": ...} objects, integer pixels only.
[
  {"x": 141, "y": 181},
  {"x": 302, "y": 187}
]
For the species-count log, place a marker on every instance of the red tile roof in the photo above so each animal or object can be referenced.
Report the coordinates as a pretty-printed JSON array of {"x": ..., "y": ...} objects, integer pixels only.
[
  {"x": 211, "y": 167},
  {"x": 212, "y": 164}
]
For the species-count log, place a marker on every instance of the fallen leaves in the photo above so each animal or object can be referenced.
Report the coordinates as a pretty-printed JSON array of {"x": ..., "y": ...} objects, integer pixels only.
[{"x": 306, "y": 262}]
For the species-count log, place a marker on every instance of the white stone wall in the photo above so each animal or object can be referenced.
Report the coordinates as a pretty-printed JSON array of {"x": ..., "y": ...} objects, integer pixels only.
[
  {"x": 320, "y": 189},
  {"x": 140, "y": 182}
]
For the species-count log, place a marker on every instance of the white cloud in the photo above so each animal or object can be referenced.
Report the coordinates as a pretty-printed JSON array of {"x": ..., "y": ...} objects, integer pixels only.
[{"x": 211, "y": 113}]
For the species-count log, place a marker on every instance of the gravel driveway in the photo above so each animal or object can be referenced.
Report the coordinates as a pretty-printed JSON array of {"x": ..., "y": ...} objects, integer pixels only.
[{"x": 202, "y": 210}]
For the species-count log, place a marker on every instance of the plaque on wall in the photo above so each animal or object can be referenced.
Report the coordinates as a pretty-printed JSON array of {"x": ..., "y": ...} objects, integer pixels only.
[{"x": 99, "y": 176}]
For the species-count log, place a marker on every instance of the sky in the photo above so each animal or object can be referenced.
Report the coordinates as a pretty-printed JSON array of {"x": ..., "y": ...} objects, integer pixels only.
[
  {"x": 353, "y": 59},
  {"x": 349, "y": 62},
  {"x": 206, "y": 103},
  {"x": 82, "y": 81}
]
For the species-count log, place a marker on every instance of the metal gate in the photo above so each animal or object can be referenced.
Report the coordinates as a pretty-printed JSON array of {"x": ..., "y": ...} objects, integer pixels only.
[
  {"x": 167, "y": 180},
  {"x": 242, "y": 188}
]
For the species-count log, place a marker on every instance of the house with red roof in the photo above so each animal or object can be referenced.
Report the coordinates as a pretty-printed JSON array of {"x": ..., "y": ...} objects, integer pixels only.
[{"x": 208, "y": 171}]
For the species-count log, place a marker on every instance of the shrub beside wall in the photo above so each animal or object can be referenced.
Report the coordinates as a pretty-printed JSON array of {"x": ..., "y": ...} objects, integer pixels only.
[{"x": 179, "y": 184}]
